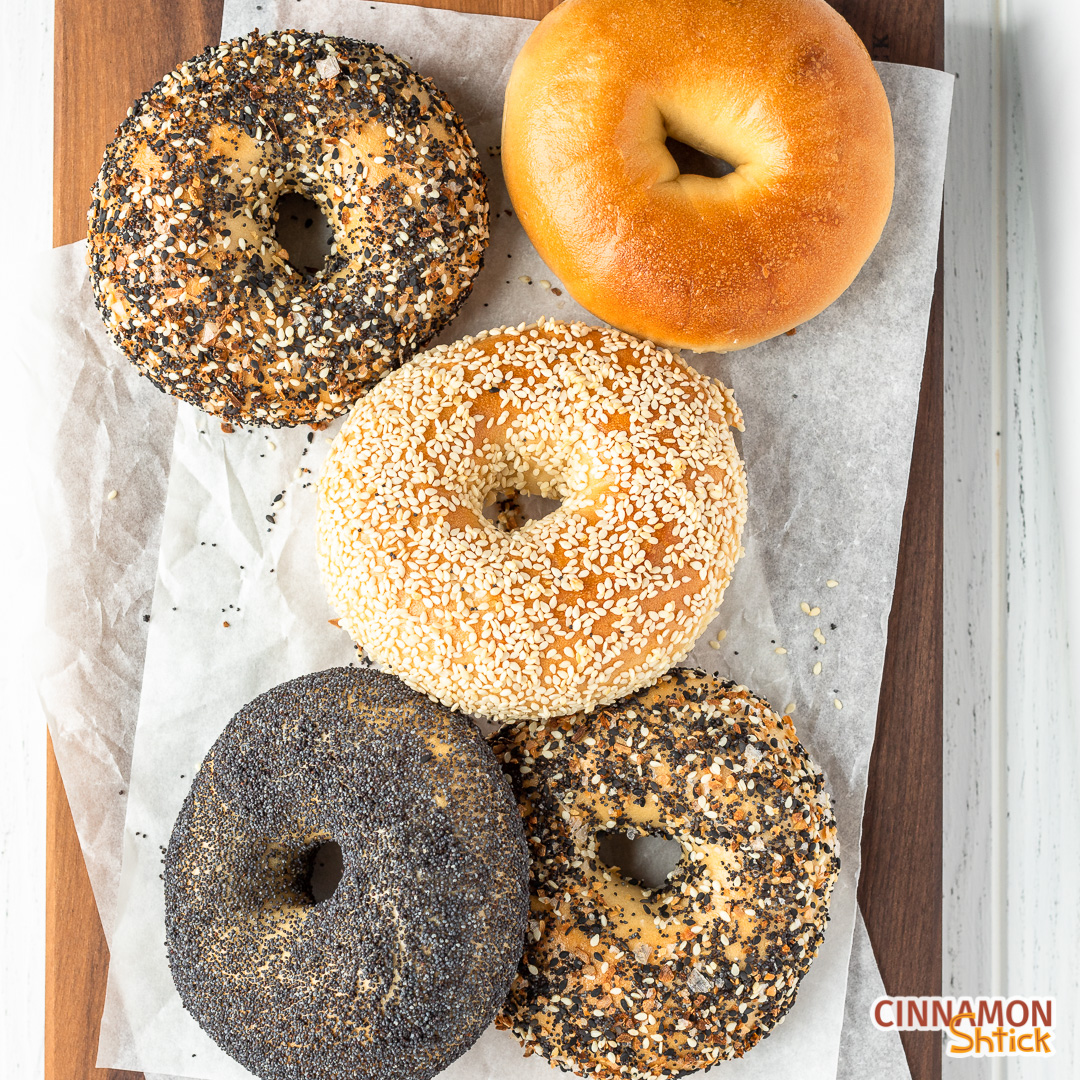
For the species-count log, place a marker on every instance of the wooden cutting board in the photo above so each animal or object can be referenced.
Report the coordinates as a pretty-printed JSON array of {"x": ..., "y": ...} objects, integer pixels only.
[{"x": 106, "y": 55}]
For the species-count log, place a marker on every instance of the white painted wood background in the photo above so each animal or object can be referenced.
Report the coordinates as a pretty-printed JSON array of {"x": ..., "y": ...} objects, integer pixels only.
[
  {"x": 26, "y": 224},
  {"x": 1012, "y": 750},
  {"x": 1012, "y": 491}
]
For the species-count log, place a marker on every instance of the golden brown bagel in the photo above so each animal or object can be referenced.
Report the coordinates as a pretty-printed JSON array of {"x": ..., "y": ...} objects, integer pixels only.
[
  {"x": 781, "y": 89},
  {"x": 622, "y": 981},
  {"x": 573, "y": 609}
]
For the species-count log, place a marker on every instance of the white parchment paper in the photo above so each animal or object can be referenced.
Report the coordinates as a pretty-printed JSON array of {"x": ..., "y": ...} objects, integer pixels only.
[
  {"x": 107, "y": 430},
  {"x": 104, "y": 554},
  {"x": 830, "y": 415}
]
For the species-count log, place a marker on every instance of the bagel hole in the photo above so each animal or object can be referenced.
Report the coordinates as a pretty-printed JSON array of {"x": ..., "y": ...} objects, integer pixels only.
[
  {"x": 509, "y": 510},
  {"x": 646, "y": 859},
  {"x": 327, "y": 866},
  {"x": 304, "y": 232},
  {"x": 691, "y": 160}
]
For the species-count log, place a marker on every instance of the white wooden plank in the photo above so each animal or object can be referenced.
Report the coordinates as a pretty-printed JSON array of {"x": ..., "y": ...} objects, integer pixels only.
[
  {"x": 1044, "y": 73},
  {"x": 1012, "y": 747},
  {"x": 26, "y": 195},
  {"x": 1042, "y": 748},
  {"x": 974, "y": 289}
]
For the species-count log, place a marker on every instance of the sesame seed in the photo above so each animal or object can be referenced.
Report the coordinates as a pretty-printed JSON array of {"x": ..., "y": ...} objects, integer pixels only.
[{"x": 565, "y": 612}]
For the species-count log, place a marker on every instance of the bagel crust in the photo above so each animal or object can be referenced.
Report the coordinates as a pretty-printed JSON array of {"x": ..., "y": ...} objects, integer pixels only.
[
  {"x": 570, "y": 610},
  {"x": 622, "y": 981},
  {"x": 185, "y": 264},
  {"x": 783, "y": 90}
]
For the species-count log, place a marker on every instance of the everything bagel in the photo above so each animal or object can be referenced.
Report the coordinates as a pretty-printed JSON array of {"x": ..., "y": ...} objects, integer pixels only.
[
  {"x": 619, "y": 980},
  {"x": 186, "y": 268}
]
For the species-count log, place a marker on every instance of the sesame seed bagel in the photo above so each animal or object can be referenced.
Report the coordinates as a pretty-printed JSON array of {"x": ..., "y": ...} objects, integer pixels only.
[
  {"x": 186, "y": 268},
  {"x": 781, "y": 90},
  {"x": 570, "y": 610},
  {"x": 622, "y": 981},
  {"x": 385, "y": 957}
]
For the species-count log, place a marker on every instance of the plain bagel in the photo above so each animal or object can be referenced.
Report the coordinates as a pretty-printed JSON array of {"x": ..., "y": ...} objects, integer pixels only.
[{"x": 781, "y": 89}]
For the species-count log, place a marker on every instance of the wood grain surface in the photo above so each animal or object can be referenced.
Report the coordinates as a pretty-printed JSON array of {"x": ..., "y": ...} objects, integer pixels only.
[{"x": 108, "y": 54}]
